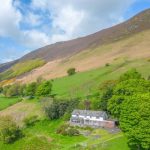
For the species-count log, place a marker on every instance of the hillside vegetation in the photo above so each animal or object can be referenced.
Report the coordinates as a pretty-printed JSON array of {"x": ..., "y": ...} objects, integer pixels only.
[
  {"x": 21, "y": 68},
  {"x": 87, "y": 83}
]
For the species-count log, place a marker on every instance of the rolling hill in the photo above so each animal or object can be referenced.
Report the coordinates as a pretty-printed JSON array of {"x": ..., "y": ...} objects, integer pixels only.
[{"x": 129, "y": 40}]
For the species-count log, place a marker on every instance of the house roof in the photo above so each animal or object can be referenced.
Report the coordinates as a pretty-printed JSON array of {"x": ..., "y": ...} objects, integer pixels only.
[{"x": 89, "y": 113}]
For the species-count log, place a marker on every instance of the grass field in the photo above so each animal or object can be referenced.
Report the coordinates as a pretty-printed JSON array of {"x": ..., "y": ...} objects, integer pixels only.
[
  {"x": 6, "y": 102},
  {"x": 42, "y": 136},
  {"x": 85, "y": 83}
]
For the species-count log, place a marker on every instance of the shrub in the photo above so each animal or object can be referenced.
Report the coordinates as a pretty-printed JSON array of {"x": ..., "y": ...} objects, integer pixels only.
[
  {"x": 44, "y": 89},
  {"x": 71, "y": 71},
  {"x": 9, "y": 131},
  {"x": 31, "y": 89},
  {"x": 65, "y": 129},
  {"x": 72, "y": 132},
  {"x": 30, "y": 120},
  {"x": 107, "y": 64},
  {"x": 56, "y": 109},
  {"x": 62, "y": 129}
]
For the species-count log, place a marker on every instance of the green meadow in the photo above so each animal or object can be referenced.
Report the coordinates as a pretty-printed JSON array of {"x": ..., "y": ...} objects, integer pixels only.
[
  {"x": 87, "y": 83},
  {"x": 6, "y": 102}
]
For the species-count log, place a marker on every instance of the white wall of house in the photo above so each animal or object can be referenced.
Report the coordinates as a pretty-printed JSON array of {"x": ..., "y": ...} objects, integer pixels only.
[{"x": 90, "y": 118}]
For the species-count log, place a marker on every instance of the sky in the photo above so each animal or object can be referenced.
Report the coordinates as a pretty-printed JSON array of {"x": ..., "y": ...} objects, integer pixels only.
[{"x": 26, "y": 25}]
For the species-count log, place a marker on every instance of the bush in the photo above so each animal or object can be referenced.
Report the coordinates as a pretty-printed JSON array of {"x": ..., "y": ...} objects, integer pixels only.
[
  {"x": 71, "y": 71},
  {"x": 9, "y": 131},
  {"x": 55, "y": 109},
  {"x": 72, "y": 132},
  {"x": 107, "y": 64},
  {"x": 30, "y": 121},
  {"x": 44, "y": 89},
  {"x": 65, "y": 129}
]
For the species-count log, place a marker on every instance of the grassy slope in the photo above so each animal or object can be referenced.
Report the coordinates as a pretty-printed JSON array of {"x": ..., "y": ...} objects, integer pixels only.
[
  {"x": 6, "y": 102},
  {"x": 21, "y": 68},
  {"x": 23, "y": 109},
  {"x": 84, "y": 83},
  {"x": 43, "y": 136}
]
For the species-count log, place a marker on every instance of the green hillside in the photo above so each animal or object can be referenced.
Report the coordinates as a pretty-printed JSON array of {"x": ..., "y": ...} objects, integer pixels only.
[{"x": 86, "y": 83}]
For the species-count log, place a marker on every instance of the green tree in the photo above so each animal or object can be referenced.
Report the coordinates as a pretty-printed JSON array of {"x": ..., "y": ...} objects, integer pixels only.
[
  {"x": 106, "y": 90},
  {"x": 31, "y": 89},
  {"x": 71, "y": 71},
  {"x": 135, "y": 121},
  {"x": 44, "y": 89},
  {"x": 125, "y": 89}
]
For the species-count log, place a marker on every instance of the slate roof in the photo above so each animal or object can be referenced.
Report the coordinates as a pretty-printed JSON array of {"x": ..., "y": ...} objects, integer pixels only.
[{"x": 90, "y": 113}]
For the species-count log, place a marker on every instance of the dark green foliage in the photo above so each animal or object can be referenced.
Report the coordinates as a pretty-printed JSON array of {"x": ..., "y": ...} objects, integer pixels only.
[
  {"x": 107, "y": 64},
  {"x": 30, "y": 121},
  {"x": 52, "y": 111},
  {"x": 1, "y": 89},
  {"x": 106, "y": 90},
  {"x": 65, "y": 129},
  {"x": 71, "y": 71},
  {"x": 57, "y": 108},
  {"x": 44, "y": 89},
  {"x": 9, "y": 132},
  {"x": 72, "y": 104}
]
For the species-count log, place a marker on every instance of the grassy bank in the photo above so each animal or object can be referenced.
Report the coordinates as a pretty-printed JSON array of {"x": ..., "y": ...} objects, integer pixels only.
[{"x": 6, "y": 102}]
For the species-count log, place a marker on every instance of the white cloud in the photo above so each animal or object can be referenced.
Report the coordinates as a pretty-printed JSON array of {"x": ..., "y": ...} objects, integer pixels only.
[
  {"x": 32, "y": 19},
  {"x": 79, "y": 18},
  {"x": 33, "y": 38},
  {"x": 9, "y": 19},
  {"x": 68, "y": 19}
]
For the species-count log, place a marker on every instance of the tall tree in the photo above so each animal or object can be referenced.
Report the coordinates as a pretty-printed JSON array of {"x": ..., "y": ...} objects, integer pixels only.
[
  {"x": 135, "y": 121},
  {"x": 44, "y": 89}
]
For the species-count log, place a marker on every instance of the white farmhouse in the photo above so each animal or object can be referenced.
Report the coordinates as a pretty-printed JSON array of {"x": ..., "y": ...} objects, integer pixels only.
[{"x": 91, "y": 118}]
